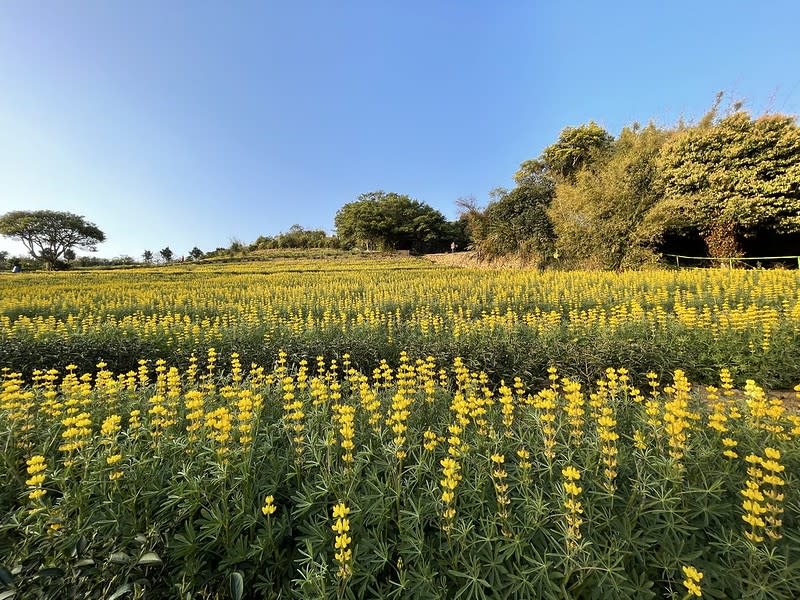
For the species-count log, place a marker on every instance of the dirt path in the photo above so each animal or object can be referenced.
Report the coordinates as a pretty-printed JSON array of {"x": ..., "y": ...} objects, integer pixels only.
[{"x": 469, "y": 259}]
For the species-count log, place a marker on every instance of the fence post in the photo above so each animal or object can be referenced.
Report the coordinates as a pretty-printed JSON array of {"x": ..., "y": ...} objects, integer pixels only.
[{"x": 678, "y": 261}]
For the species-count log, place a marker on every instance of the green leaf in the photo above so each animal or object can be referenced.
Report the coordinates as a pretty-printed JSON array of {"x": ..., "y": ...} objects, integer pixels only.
[
  {"x": 5, "y": 576},
  {"x": 86, "y": 562},
  {"x": 51, "y": 572},
  {"x": 125, "y": 588},
  {"x": 237, "y": 585},
  {"x": 80, "y": 546},
  {"x": 150, "y": 559},
  {"x": 119, "y": 558},
  {"x": 7, "y": 595}
]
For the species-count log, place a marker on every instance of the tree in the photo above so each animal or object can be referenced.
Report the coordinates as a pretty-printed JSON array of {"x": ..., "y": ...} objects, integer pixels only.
[
  {"x": 296, "y": 237},
  {"x": 48, "y": 234},
  {"x": 576, "y": 148},
  {"x": 514, "y": 222},
  {"x": 147, "y": 256},
  {"x": 389, "y": 221},
  {"x": 166, "y": 254},
  {"x": 734, "y": 178},
  {"x": 599, "y": 214},
  {"x": 533, "y": 172},
  {"x": 196, "y": 253}
]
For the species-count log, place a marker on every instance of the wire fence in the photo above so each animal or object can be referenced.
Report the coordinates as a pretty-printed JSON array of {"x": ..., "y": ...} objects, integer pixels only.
[{"x": 732, "y": 261}]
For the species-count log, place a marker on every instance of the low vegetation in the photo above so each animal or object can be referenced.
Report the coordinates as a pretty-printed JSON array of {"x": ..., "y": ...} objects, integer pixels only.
[{"x": 416, "y": 480}]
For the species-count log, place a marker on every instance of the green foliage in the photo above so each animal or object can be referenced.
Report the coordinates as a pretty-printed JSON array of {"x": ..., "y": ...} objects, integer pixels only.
[
  {"x": 296, "y": 237},
  {"x": 734, "y": 177},
  {"x": 515, "y": 222},
  {"x": 184, "y": 518},
  {"x": 576, "y": 148},
  {"x": 389, "y": 221},
  {"x": 166, "y": 254},
  {"x": 48, "y": 234},
  {"x": 731, "y": 184},
  {"x": 598, "y": 215}
]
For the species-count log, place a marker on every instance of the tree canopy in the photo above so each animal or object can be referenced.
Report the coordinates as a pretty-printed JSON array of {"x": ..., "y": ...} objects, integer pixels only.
[
  {"x": 576, "y": 148},
  {"x": 296, "y": 237},
  {"x": 735, "y": 177},
  {"x": 599, "y": 215},
  {"x": 48, "y": 235},
  {"x": 722, "y": 187},
  {"x": 514, "y": 221},
  {"x": 390, "y": 221}
]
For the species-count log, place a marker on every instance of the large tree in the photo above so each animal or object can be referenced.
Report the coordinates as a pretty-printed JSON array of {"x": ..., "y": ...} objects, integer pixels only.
[
  {"x": 599, "y": 216},
  {"x": 514, "y": 222},
  {"x": 48, "y": 234},
  {"x": 389, "y": 221},
  {"x": 577, "y": 147},
  {"x": 734, "y": 178}
]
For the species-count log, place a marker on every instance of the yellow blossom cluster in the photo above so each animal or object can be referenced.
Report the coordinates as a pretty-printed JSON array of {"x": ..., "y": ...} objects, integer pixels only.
[
  {"x": 692, "y": 581},
  {"x": 36, "y": 469},
  {"x": 343, "y": 553},
  {"x": 763, "y": 496},
  {"x": 269, "y": 508},
  {"x": 572, "y": 504}
]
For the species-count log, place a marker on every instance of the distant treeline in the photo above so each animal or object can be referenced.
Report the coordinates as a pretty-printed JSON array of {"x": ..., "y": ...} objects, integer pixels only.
[
  {"x": 375, "y": 221},
  {"x": 27, "y": 263},
  {"x": 726, "y": 186}
]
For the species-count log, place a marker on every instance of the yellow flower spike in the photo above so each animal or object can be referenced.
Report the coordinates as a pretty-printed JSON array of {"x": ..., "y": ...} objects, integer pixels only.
[
  {"x": 35, "y": 481},
  {"x": 340, "y": 510},
  {"x": 269, "y": 507},
  {"x": 692, "y": 581}
]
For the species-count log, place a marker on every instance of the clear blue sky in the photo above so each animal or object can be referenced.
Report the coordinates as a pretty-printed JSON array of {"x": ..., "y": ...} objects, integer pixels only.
[{"x": 191, "y": 123}]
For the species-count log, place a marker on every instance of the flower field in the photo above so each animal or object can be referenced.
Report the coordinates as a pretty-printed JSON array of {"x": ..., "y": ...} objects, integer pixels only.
[
  {"x": 391, "y": 429},
  {"x": 506, "y": 323}
]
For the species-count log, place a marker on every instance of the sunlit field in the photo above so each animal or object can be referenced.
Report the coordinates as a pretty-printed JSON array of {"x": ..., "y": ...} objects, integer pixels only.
[
  {"x": 506, "y": 323},
  {"x": 394, "y": 429}
]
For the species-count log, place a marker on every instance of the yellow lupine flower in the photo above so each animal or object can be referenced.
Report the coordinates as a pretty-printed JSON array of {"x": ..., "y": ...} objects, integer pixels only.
[
  {"x": 269, "y": 507},
  {"x": 692, "y": 581}
]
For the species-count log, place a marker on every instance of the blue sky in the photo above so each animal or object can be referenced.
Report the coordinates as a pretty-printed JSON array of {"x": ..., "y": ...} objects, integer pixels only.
[{"x": 192, "y": 123}]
